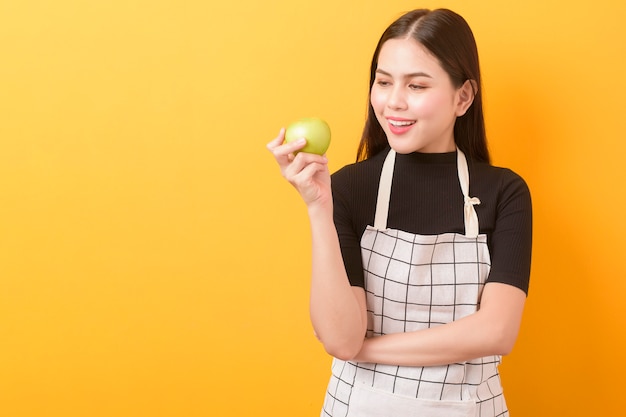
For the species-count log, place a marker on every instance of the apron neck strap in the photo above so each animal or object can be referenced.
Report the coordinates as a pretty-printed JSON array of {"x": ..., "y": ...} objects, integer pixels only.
[
  {"x": 470, "y": 217},
  {"x": 384, "y": 191},
  {"x": 384, "y": 194}
]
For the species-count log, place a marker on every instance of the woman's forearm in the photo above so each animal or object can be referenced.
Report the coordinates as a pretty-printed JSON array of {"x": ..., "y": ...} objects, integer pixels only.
[
  {"x": 490, "y": 331},
  {"x": 337, "y": 309}
]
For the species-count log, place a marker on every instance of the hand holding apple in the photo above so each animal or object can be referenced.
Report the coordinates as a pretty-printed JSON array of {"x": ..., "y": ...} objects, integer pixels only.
[{"x": 316, "y": 132}]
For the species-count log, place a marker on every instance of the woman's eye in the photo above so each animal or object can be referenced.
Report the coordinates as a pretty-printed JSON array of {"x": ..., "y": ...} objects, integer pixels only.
[
  {"x": 416, "y": 87},
  {"x": 383, "y": 83}
]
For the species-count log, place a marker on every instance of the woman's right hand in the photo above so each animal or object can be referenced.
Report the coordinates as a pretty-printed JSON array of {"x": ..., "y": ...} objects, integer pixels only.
[
  {"x": 337, "y": 309},
  {"x": 307, "y": 172}
]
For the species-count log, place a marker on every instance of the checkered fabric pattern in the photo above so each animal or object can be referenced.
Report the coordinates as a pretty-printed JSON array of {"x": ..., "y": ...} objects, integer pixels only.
[{"x": 416, "y": 282}]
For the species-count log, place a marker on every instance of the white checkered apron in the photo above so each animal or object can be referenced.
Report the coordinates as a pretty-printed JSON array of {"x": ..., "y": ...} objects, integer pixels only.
[{"x": 415, "y": 282}]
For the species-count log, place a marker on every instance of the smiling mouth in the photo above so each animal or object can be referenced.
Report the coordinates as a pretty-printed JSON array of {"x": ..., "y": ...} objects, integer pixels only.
[
  {"x": 401, "y": 123},
  {"x": 400, "y": 127}
]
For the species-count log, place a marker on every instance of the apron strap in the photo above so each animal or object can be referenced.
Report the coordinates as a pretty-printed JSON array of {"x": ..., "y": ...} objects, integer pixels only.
[
  {"x": 384, "y": 191},
  {"x": 384, "y": 194},
  {"x": 471, "y": 219}
]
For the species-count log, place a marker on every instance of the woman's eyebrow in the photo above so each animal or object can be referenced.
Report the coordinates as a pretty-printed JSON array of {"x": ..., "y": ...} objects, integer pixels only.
[{"x": 414, "y": 74}]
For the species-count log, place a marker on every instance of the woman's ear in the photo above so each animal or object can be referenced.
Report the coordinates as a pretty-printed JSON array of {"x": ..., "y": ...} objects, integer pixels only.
[{"x": 465, "y": 96}]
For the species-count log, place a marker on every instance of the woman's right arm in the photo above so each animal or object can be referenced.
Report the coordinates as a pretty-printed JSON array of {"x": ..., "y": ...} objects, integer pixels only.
[{"x": 337, "y": 309}]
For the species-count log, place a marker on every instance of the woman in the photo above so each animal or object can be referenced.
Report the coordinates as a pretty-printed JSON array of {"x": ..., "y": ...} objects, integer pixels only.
[{"x": 421, "y": 250}]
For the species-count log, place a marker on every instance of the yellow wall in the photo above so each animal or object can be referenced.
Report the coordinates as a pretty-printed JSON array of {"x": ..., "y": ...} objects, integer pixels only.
[{"x": 153, "y": 262}]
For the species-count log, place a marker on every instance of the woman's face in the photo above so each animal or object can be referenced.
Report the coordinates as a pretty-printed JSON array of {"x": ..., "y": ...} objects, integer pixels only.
[{"x": 414, "y": 99}]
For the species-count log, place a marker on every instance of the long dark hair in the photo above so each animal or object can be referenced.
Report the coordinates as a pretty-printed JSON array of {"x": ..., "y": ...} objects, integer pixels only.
[{"x": 449, "y": 38}]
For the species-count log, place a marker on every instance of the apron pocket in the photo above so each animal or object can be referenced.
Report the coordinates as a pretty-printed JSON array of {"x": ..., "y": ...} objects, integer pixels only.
[{"x": 370, "y": 402}]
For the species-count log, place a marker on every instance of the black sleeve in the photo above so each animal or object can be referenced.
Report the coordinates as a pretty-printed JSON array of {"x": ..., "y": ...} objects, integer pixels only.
[
  {"x": 349, "y": 236},
  {"x": 511, "y": 239}
]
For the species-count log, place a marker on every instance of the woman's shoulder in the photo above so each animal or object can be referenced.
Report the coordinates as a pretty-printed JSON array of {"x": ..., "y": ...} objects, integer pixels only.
[
  {"x": 498, "y": 173},
  {"x": 367, "y": 169},
  {"x": 358, "y": 181},
  {"x": 504, "y": 181}
]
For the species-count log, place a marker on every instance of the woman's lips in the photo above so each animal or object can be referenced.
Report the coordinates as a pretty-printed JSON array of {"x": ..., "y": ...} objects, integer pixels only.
[{"x": 399, "y": 126}]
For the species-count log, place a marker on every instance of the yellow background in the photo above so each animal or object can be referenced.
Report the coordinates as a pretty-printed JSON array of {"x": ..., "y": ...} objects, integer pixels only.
[{"x": 154, "y": 263}]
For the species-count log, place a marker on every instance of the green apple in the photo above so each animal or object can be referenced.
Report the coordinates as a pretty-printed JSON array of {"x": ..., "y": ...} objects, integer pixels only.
[{"x": 316, "y": 132}]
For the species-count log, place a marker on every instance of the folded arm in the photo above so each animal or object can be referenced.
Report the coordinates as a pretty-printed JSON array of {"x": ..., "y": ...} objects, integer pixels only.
[{"x": 492, "y": 330}]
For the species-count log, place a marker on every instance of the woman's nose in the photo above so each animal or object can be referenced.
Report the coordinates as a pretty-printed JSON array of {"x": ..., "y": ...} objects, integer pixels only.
[{"x": 397, "y": 99}]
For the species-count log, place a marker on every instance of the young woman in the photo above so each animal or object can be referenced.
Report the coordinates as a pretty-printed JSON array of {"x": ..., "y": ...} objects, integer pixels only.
[{"x": 421, "y": 249}]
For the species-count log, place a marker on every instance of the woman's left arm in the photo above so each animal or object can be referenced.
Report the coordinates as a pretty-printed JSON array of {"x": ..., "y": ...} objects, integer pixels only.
[{"x": 492, "y": 330}]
